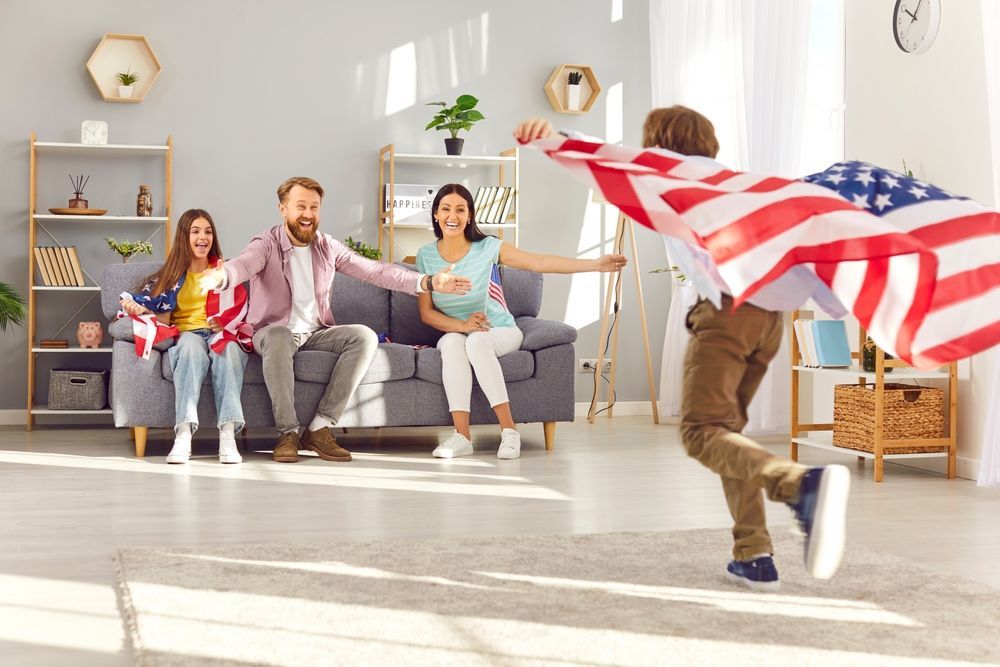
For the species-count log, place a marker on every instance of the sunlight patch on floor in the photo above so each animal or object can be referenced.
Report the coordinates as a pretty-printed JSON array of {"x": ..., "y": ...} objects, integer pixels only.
[{"x": 827, "y": 609}]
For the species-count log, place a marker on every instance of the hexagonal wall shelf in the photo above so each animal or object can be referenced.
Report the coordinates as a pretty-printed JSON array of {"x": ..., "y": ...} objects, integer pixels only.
[
  {"x": 557, "y": 85},
  {"x": 120, "y": 53}
]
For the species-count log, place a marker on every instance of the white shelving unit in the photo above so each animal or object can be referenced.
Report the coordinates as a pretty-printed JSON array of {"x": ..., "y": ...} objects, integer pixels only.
[
  {"x": 50, "y": 224},
  {"x": 820, "y": 435},
  {"x": 506, "y": 164}
]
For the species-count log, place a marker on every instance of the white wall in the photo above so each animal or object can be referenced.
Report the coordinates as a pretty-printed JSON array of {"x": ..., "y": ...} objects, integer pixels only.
[{"x": 930, "y": 110}]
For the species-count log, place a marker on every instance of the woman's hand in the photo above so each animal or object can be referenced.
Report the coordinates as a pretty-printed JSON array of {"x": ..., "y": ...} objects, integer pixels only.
[
  {"x": 531, "y": 129},
  {"x": 610, "y": 263},
  {"x": 132, "y": 308},
  {"x": 476, "y": 322}
]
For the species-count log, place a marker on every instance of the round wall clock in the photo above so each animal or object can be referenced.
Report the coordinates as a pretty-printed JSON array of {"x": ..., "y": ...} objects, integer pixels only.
[{"x": 915, "y": 24}]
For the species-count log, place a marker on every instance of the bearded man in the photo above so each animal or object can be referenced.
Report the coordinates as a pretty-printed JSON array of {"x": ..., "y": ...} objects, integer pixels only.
[{"x": 291, "y": 268}]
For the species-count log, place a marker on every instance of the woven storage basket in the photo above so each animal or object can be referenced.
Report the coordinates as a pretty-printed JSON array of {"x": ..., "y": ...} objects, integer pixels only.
[
  {"x": 907, "y": 412},
  {"x": 71, "y": 389}
]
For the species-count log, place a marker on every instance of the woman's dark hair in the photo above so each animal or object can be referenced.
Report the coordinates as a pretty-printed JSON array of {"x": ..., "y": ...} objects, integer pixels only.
[
  {"x": 180, "y": 253},
  {"x": 472, "y": 231}
]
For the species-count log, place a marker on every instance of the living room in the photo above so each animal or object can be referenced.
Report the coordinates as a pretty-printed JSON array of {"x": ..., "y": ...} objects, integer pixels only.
[{"x": 603, "y": 542}]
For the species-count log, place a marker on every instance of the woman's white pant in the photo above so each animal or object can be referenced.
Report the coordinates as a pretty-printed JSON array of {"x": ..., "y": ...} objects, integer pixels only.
[{"x": 461, "y": 353}]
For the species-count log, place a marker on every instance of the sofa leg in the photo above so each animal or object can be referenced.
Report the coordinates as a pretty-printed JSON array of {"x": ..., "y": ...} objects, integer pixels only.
[
  {"x": 140, "y": 433},
  {"x": 550, "y": 434}
]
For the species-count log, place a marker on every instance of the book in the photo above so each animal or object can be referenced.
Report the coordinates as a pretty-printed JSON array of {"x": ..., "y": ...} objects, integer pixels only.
[
  {"x": 67, "y": 266},
  {"x": 63, "y": 268},
  {"x": 830, "y": 341},
  {"x": 43, "y": 271},
  {"x": 498, "y": 205},
  {"x": 483, "y": 212},
  {"x": 409, "y": 200},
  {"x": 478, "y": 199},
  {"x": 507, "y": 206},
  {"x": 74, "y": 260},
  {"x": 57, "y": 277}
]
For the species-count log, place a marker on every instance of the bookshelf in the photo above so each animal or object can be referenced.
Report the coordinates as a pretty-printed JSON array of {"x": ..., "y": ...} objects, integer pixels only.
[
  {"x": 46, "y": 229},
  {"x": 475, "y": 172},
  {"x": 820, "y": 435}
]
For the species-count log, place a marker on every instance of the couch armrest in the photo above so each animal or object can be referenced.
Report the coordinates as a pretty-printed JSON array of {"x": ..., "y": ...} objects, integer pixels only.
[
  {"x": 121, "y": 329},
  {"x": 540, "y": 334}
]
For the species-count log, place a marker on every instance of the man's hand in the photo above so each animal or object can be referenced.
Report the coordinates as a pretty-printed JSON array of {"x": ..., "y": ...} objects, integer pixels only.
[
  {"x": 610, "y": 263},
  {"x": 531, "y": 129},
  {"x": 132, "y": 308},
  {"x": 212, "y": 279},
  {"x": 476, "y": 322},
  {"x": 444, "y": 281},
  {"x": 214, "y": 325}
]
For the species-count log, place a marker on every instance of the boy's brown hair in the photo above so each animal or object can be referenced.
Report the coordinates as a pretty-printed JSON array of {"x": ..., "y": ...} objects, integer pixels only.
[
  {"x": 307, "y": 183},
  {"x": 681, "y": 130}
]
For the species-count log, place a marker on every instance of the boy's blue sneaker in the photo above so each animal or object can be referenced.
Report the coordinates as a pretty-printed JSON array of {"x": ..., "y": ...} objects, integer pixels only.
[
  {"x": 821, "y": 511},
  {"x": 758, "y": 574}
]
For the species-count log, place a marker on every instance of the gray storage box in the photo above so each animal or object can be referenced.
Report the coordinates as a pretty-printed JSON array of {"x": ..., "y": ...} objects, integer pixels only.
[{"x": 71, "y": 389}]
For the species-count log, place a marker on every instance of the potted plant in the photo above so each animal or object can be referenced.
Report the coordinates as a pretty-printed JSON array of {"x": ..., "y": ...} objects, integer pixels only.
[
  {"x": 363, "y": 249},
  {"x": 12, "y": 309},
  {"x": 573, "y": 91},
  {"x": 461, "y": 116},
  {"x": 128, "y": 248},
  {"x": 126, "y": 79}
]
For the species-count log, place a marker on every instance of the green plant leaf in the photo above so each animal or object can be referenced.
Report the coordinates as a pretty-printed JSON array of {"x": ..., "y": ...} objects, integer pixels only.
[
  {"x": 434, "y": 123},
  {"x": 436, "y": 104},
  {"x": 467, "y": 101},
  {"x": 471, "y": 115},
  {"x": 12, "y": 308}
]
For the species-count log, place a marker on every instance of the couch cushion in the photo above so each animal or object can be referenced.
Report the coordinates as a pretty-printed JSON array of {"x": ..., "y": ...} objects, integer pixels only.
[
  {"x": 124, "y": 277},
  {"x": 392, "y": 362},
  {"x": 405, "y": 325},
  {"x": 522, "y": 290},
  {"x": 356, "y": 302},
  {"x": 519, "y": 365}
]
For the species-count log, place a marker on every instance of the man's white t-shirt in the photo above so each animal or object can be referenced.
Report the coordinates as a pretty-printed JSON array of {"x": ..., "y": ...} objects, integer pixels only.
[{"x": 304, "y": 317}]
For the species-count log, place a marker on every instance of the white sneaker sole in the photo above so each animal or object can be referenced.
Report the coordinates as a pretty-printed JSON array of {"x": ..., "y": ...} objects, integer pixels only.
[
  {"x": 508, "y": 453},
  {"x": 829, "y": 526},
  {"x": 451, "y": 453},
  {"x": 762, "y": 586},
  {"x": 178, "y": 459},
  {"x": 230, "y": 458}
]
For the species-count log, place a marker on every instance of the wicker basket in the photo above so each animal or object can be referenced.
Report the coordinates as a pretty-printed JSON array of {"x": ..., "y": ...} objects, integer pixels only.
[
  {"x": 71, "y": 389},
  {"x": 908, "y": 412}
]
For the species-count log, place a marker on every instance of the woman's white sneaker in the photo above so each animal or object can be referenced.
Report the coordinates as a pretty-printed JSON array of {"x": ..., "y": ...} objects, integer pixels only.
[
  {"x": 510, "y": 444},
  {"x": 456, "y": 445},
  {"x": 228, "y": 451},
  {"x": 181, "y": 451}
]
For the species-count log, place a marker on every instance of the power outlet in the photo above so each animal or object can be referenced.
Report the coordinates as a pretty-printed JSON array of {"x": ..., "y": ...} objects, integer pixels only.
[{"x": 588, "y": 365}]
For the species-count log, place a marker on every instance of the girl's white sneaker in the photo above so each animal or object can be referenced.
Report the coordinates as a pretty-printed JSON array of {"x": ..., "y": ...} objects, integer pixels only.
[
  {"x": 456, "y": 445},
  {"x": 510, "y": 444}
]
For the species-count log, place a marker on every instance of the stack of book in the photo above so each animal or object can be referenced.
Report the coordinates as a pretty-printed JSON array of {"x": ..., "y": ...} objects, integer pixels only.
[
  {"x": 822, "y": 343},
  {"x": 59, "y": 266},
  {"x": 494, "y": 204},
  {"x": 54, "y": 343}
]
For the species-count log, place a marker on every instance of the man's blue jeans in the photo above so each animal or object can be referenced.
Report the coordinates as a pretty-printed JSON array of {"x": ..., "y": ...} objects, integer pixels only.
[{"x": 190, "y": 359}]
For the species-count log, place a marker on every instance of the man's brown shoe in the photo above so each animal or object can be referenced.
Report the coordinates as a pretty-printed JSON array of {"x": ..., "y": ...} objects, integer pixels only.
[
  {"x": 323, "y": 443},
  {"x": 287, "y": 449}
]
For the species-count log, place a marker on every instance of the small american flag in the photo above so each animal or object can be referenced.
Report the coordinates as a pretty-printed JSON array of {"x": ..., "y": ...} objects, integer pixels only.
[
  {"x": 495, "y": 290},
  {"x": 918, "y": 267}
]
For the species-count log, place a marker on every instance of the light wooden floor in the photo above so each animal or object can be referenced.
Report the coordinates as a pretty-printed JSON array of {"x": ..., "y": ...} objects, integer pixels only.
[{"x": 72, "y": 496}]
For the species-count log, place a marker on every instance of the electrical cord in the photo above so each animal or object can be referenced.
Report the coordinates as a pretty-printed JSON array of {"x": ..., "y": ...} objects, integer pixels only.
[{"x": 619, "y": 246}]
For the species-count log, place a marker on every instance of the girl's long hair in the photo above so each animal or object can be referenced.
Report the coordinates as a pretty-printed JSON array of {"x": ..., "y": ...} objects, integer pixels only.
[
  {"x": 472, "y": 232},
  {"x": 180, "y": 252}
]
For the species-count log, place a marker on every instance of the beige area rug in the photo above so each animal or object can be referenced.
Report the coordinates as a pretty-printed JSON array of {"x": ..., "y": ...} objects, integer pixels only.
[{"x": 606, "y": 599}]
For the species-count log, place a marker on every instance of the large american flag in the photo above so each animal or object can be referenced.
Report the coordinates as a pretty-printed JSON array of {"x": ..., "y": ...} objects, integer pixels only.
[{"x": 918, "y": 267}]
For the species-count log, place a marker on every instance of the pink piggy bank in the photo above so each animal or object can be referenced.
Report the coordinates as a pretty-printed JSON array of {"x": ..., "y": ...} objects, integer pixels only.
[{"x": 89, "y": 334}]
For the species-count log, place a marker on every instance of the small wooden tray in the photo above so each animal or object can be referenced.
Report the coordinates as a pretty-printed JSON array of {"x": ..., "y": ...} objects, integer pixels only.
[{"x": 78, "y": 211}]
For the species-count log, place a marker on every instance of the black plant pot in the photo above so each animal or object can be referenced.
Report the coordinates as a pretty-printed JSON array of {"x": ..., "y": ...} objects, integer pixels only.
[{"x": 454, "y": 146}]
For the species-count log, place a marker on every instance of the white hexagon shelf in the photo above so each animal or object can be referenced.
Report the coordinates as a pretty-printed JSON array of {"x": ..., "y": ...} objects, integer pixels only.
[
  {"x": 556, "y": 88},
  {"x": 123, "y": 53}
]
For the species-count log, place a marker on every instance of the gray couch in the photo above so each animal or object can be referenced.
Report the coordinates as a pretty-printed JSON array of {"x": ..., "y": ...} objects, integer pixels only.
[{"x": 402, "y": 387}]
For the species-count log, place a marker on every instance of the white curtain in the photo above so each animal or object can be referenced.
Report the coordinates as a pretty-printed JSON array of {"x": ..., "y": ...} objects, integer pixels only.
[
  {"x": 989, "y": 462},
  {"x": 744, "y": 65}
]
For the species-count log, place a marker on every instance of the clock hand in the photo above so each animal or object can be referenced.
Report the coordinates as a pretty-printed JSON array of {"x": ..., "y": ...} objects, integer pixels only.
[
  {"x": 916, "y": 10},
  {"x": 913, "y": 17}
]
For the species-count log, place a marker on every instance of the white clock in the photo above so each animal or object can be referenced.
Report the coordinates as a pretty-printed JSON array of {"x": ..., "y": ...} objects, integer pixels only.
[
  {"x": 915, "y": 24},
  {"x": 93, "y": 132}
]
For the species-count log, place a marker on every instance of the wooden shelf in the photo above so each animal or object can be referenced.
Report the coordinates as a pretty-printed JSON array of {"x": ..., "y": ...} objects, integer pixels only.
[
  {"x": 100, "y": 218},
  {"x": 857, "y": 372},
  {"x": 58, "y": 147},
  {"x": 555, "y": 88},
  {"x": 71, "y": 349},
  {"x": 825, "y": 441},
  {"x": 117, "y": 53},
  {"x": 52, "y": 288},
  {"x": 460, "y": 161}
]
